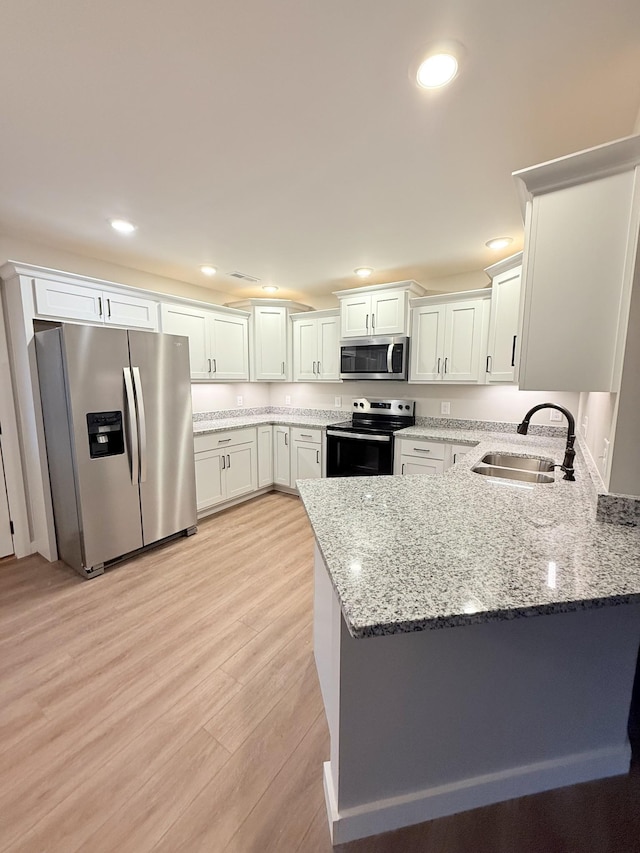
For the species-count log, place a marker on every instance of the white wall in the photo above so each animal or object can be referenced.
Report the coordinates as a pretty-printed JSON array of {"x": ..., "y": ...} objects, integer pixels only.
[
  {"x": 599, "y": 408},
  {"x": 216, "y": 397},
  {"x": 470, "y": 402}
]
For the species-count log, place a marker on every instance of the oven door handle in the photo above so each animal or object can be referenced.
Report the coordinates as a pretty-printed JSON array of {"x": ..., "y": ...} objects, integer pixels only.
[
  {"x": 390, "y": 358},
  {"x": 384, "y": 438}
]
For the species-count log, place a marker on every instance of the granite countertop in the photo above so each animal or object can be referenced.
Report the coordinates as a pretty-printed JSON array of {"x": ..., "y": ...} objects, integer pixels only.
[
  {"x": 220, "y": 424},
  {"x": 422, "y": 552}
]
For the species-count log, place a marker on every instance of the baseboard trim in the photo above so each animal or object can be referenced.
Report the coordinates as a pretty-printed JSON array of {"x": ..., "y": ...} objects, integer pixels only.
[{"x": 429, "y": 803}]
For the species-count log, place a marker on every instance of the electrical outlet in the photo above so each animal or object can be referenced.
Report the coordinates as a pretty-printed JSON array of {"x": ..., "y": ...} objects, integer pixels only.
[
  {"x": 239, "y": 400},
  {"x": 337, "y": 402},
  {"x": 445, "y": 408},
  {"x": 554, "y": 415},
  {"x": 287, "y": 400},
  {"x": 585, "y": 425}
]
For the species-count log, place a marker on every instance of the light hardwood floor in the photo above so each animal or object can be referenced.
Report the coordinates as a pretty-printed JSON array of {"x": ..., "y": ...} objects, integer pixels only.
[{"x": 172, "y": 705}]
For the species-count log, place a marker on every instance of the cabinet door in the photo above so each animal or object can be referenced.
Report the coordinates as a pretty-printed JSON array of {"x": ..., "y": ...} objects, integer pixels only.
[
  {"x": 427, "y": 343},
  {"x": 130, "y": 311},
  {"x": 328, "y": 349},
  {"x": 281, "y": 456},
  {"x": 229, "y": 347},
  {"x": 413, "y": 465},
  {"x": 463, "y": 331},
  {"x": 305, "y": 350},
  {"x": 458, "y": 451},
  {"x": 270, "y": 336},
  {"x": 355, "y": 315},
  {"x": 209, "y": 478},
  {"x": 265, "y": 456},
  {"x": 68, "y": 301},
  {"x": 389, "y": 313},
  {"x": 503, "y": 325},
  {"x": 182, "y": 320},
  {"x": 241, "y": 470},
  {"x": 306, "y": 461}
]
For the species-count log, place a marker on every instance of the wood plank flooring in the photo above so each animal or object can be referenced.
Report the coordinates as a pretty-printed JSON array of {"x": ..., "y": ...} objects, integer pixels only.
[{"x": 172, "y": 705}]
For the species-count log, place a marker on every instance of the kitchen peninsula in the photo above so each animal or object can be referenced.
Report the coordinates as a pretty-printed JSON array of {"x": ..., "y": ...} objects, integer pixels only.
[{"x": 475, "y": 639}]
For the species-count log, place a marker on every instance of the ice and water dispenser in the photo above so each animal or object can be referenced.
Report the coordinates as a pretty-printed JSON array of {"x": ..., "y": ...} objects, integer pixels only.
[{"x": 106, "y": 436}]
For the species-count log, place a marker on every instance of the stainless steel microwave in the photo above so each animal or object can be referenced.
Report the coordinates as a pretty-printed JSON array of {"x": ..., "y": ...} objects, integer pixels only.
[{"x": 374, "y": 358}]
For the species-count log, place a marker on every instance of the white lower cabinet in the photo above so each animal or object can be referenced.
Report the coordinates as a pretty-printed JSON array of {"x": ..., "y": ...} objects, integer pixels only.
[
  {"x": 265, "y": 456},
  {"x": 426, "y": 457},
  {"x": 457, "y": 451},
  {"x": 226, "y": 466},
  {"x": 281, "y": 456}
]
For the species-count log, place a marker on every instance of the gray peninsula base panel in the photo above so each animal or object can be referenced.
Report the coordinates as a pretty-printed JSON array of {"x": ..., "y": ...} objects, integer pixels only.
[{"x": 431, "y": 723}]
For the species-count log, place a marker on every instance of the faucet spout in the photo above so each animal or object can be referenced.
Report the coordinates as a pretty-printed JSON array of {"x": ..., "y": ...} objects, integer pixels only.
[{"x": 569, "y": 452}]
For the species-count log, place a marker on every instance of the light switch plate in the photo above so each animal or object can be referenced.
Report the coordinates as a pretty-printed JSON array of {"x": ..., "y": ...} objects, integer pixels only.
[
  {"x": 585, "y": 425},
  {"x": 555, "y": 415},
  {"x": 337, "y": 402},
  {"x": 287, "y": 400},
  {"x": 445, "y": 408},
  {"x": 239, "y": 400}
]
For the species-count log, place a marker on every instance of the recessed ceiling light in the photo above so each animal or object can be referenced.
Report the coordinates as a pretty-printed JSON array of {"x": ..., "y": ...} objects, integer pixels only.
[
  {"x": 122, "y": 226},
  {"x": 437, "y": 70},
  {"x": 499, "y": 242},
  {"x": 207, "y": 270},
  {"x": 269, "y": 288},
  {"x": 363, "y": 272}
]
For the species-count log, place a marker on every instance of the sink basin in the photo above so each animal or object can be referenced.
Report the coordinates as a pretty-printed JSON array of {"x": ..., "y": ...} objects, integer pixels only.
[
  {"x": 518, "y": 462},
  {"x": 513, "y": 474}
]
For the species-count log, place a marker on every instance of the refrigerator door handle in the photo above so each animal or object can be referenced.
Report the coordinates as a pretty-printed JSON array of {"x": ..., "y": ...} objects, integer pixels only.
[
  {"x": 133, "y": 428},
  {"x": 142, "y": 423}
]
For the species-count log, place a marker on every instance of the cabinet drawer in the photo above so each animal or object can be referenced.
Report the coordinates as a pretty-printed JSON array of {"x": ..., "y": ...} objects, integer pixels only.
[
  {"x": 229, "y": 438},
  {"x": 423, "y": 449},
  {"x": 300, "y": 434}
]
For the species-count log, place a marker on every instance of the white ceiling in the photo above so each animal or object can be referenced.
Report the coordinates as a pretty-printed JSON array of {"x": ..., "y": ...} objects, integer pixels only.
[{"x": 284, "y": 139}]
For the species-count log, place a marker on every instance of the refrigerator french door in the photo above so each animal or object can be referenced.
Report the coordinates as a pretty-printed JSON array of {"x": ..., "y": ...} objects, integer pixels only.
[{"x": 119, "y": 434}]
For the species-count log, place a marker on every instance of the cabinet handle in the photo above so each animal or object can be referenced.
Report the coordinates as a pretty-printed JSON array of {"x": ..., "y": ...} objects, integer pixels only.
[
  {"x": 318, "y": 368},
  {"x": 215, "y": 366},
  {"x": 223, "y": 440},
  {"x": 304, "y": 435},
  {"x": 317, "y": 457},
  {"x": 100, "y": 306},
  {"x": 455, "y": 456},
  {"x": 209, "y": 360},
  {"x": 438, "y": 371},
  {"x": 286, "y": 440},
  {"x": 402, "y": 469},
  {"x": 108, "y": 308},
  {"x": 223, "y": 462},
  {"x": 228, "y": 461},
  {"x": 488, "y": 367},
  {"x": 283, "y": 368},
  {"x": 314, "y": 368},
  {"x": 366, "y": 323},
  {"x": 422, "y": 449},
  {"x": 373, "y": 322},
  {"x": 513, "y": 352},
  {"x": 445, "y": 364}
]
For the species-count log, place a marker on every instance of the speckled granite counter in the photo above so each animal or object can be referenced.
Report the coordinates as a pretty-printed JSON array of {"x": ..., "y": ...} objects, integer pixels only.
[
  {"x": 221, "y": 424},
  {"x": 416, "y": 552}
]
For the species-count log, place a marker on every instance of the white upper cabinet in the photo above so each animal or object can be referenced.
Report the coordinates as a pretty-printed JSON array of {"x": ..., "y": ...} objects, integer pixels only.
[
  {"x": 504, "y": 319},
  {"x": 271, "y": 338},
  {"x": 379, "y": 310},
  {"x": 316, "y": 346},
  {"x": 87, "y": 303},
  {"x": 581, "y": 246},
  {"x": 218, "y": 342},
  {"x": 449, "y": 339}
]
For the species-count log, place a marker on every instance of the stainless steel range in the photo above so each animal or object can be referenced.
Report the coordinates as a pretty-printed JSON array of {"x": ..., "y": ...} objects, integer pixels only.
[{"x": 363, "y": 446}]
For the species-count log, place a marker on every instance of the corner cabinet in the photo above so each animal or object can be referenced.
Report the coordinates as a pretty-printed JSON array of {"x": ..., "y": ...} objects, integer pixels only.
[
  {"x": 297, "y": 455},
  {"x": 316, "y": 346},
  {"x": 506, "y": 278},
  {"x": 449, "y": 338},
  {"x": 378, "y": 310},
  {"x": 582, "y": 220},
  {"x": 218, "y": 340}
]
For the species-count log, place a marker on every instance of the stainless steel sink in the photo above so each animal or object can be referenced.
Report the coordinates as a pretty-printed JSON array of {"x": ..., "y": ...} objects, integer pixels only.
[
  {"x": 513, "y": 474},
  {"x": 520, "y": 463}
]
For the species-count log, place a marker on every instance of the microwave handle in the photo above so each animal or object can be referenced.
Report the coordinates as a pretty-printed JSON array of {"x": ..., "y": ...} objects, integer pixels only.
[{"x": 390, "y": 358}]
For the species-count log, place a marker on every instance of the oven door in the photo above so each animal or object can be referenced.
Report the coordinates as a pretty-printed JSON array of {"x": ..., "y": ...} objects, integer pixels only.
[
  {"x": 374, "y": 358},
  {"x": 352, "y": 454}
]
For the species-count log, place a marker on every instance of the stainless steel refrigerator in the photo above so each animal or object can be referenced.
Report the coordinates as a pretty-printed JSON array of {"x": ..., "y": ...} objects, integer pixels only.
[{"x": 119, "y": 436}]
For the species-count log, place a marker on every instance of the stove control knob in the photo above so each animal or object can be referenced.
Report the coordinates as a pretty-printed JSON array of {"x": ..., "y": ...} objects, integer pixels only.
[
  {"x": 355, "y": 405},
  {"x": 362, "y": 405}
]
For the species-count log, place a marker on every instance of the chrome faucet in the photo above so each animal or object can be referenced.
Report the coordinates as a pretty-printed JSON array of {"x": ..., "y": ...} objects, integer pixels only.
[{"x": 569, "y": 452}]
